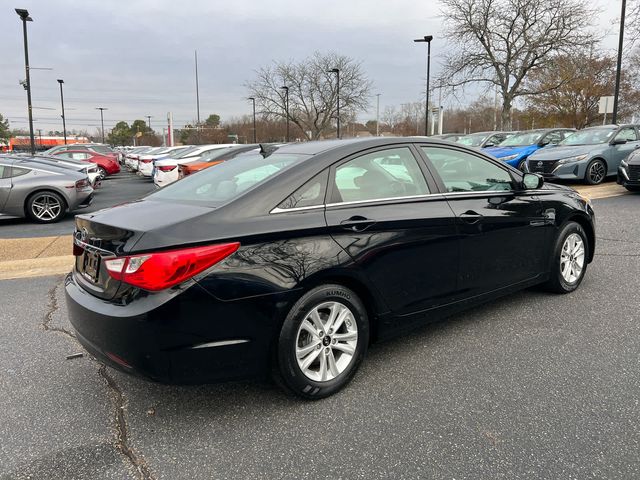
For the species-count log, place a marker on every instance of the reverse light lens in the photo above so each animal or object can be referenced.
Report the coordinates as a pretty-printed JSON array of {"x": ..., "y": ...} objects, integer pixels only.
[{"x": 162, "y": 270}]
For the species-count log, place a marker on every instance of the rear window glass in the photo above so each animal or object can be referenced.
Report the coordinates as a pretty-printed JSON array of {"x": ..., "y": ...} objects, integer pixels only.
[
  {"x": 225, "y": 181},
  {"x": 102, "y": 149}
]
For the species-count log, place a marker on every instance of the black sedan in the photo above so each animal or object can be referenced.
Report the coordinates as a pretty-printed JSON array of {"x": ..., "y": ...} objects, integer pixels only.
[
  {"x": 293, "y": 262},
  {"x": 629, "y": 172}
]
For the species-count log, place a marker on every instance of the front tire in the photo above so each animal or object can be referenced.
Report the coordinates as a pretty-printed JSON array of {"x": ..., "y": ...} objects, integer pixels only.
[
  {"x": 322, "y": 342},
  {"x": 46, "y": 207},
  {"x": 596, "y": 172},
  {"x": 570, "y": 255}
]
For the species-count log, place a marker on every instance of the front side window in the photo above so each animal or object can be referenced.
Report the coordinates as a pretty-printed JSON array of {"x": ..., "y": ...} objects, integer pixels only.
[
  {"x": 383, "y": 174},
  {"x": 628, "y": 134},
  {"x": 464, "y": 172}
]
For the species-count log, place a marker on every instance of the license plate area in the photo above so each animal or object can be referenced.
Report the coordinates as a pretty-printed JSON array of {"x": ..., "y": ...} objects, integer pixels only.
[{"x": 91, "y": 266}]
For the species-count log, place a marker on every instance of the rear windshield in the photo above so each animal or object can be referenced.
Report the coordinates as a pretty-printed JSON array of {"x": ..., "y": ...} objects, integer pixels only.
[
  {"x": 223, "y": 182},
  {"x": 472, "y": 140}
]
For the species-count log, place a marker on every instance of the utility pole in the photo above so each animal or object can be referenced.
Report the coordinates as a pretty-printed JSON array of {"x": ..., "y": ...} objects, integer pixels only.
[
  {"x": 377, "y": 115},
  {"x": 64, "y": 126},
  {"x": 149, "y": 120},
  {"x": 197, "y": 93},
  {"x": 337, "y": 72},
  {"x": 255, "y": 136},
  {"x": 614, "y": 118},
  {"x": 286, "y": 107},
  {"x": 102, "y": 120},
  {"x": 427, "y": 39},
  {"x": 24, "y": 15}
]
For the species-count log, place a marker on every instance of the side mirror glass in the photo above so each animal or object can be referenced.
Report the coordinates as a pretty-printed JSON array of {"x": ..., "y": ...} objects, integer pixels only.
[
  {"x": 490, "y": 144},
  {"x": 618, "y": 141},
  {"x": 532, "y": 181}
]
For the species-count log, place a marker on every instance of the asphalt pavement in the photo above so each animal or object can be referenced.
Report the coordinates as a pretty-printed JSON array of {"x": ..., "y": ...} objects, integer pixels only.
[{"x": 530, "y": 386}]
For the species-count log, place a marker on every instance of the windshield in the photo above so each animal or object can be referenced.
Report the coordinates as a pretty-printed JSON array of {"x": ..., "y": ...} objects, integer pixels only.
[
  {"x": 590, "y": 136},
  {"x": 217, "y": 153},
  {"x": 522, "y": 139},
  {"x": 228, "y": 180},
  {"x": 101, "y": 149},
  {"x": 173, "y": 153},
  {"x": 474, "y": 140}
]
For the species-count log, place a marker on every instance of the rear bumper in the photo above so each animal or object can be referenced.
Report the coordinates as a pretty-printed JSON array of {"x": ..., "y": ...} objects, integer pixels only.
[{"x": 174, "y": 336}]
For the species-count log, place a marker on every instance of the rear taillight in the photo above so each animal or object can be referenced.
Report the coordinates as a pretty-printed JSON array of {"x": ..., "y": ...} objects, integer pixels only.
[
  {"x": 166, "y": 168},
  {"x": 161, "y": 270},
  {"x": 146, "y": 160},
  {"x": 82, "y": 184}
]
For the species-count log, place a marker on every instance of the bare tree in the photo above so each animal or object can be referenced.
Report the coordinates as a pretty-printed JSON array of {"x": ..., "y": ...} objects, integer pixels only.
[
  {"x": 501, "y": 42},
  {"x": 312, "y": 91}
]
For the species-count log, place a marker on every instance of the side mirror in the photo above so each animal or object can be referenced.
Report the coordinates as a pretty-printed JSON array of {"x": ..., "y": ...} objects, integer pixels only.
[
  {"x": 618, "y": 141},
  {"x": 532, "y": 181}
]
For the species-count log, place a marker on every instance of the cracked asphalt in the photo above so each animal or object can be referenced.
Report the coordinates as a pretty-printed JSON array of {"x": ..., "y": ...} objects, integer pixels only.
[{"x": 531, "y": 386}]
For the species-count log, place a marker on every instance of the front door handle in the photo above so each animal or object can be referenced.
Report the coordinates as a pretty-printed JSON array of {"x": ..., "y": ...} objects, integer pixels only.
[
  {"x": 357, "y": 223},
  {"x": 470, "y": 217}
]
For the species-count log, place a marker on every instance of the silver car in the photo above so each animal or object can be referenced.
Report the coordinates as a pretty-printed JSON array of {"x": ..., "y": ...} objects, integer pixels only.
[{"x": 41, "y": 190}]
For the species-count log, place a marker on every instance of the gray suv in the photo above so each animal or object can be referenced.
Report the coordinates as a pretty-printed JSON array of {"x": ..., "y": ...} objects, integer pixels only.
[{"x": 591, "y": 154}]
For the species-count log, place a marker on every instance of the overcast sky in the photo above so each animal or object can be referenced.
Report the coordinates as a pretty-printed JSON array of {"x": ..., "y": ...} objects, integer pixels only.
[{"x": 135, "y": 57}]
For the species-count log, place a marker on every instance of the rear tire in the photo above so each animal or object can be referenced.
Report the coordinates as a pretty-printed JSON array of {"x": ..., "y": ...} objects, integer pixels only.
[
  {"x": 322, "y": 342},
  {"x": 102, "y": 173},
  {"x": 46, "y": 207},
  {"x": 570, "y": 254}
]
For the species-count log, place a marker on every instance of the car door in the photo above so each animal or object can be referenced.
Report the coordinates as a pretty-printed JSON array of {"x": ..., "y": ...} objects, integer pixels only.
[
  {"x": 5, "y": 183},
  {"x": 503, "y": 228},
  {"x": 384, "y": 212},
  {"x": 620, "y": 151}
]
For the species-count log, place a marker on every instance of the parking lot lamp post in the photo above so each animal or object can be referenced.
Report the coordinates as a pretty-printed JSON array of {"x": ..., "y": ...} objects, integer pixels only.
[
  {"x": 286, "y": 107},
  {"x": 614, "y": 118},
  {"x": 253, "y": 99},
  {"x": 64, "y": 126},
  {"x": 149, "y": 121},
  {"x": 24, "y": 15},
  {"x": 427, "y": 39},
  {"x": 378, "y": 114},
  {"x": 337, "y": 72},
  {"x": 102, "y": 120}
]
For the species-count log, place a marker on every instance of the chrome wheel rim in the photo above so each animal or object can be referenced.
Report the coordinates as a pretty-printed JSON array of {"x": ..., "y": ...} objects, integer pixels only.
[
  {"x": 596, "y": 172},
  {"x": 46, "y": 207},
  {"x": 326, "y": 341},
  {"x": 572, "y": 258}
]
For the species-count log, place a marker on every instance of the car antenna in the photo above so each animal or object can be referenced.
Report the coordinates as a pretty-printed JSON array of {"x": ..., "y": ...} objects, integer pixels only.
[{"x": 267, "y": 149}]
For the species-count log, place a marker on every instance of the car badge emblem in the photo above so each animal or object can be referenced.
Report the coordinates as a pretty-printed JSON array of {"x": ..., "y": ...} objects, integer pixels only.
[{"x": 539, "y": 164}]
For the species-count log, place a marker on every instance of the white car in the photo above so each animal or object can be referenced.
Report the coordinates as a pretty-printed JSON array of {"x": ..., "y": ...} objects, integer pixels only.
[
  {"x": 131, "y": 159},
  {"x": 166, "y": 170},
  {"x": 91, "y": 169},
  {"x": 145, "y": 160}
]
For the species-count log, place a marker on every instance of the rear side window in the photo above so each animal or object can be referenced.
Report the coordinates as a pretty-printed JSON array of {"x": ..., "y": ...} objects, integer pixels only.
[
  {"x": 311, "y": 194},
  {"x": 464, "y": 172},
  {"x": 17, "y": 172},
  {"x": 383, "y": 174}
]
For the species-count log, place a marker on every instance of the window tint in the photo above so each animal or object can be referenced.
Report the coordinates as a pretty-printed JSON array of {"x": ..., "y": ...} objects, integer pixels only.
[
  {"x": 16, "y": 172},
  {"x": 628, "y": 134},
  {"x": 383, "y": 174},
  {"x": 80, "y": 156},
  {"x": 309, "y": 195},
  {"x": 4, "y": 170},
  {"x": 463, "y": 172}
]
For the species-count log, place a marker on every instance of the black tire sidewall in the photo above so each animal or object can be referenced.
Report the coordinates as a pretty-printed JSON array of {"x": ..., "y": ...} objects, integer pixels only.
[
  {"x": 102, "y": 173},
  {"x": 587, "y": 178},
  {"x": 558, "y": 283},
  {"x": 287, "y": 367},
  {"x": 29, "y": 209}
]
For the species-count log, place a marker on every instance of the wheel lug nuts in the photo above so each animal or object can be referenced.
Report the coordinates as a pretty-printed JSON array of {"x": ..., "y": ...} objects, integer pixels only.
[
  {"x": 334, "y": 341},
  {"x": 318, "y": 347},
  {"x": 326, "y": 351},
  {"x": 330, "y": 331},
  {"x": 321, "y": 333}
]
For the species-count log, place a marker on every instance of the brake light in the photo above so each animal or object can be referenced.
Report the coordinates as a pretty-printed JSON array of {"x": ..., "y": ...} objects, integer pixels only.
[
  {"x": 166, "y": 168},
  {"x": 146, "y": 160},
  {"x": 161, "y": 270},
  {"x": 82, "y": 184}
]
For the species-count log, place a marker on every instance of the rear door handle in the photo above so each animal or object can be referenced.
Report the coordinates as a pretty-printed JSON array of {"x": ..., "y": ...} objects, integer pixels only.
[
  {"x": 470, "y": 217},
  {"x": 357, "y": 223}
]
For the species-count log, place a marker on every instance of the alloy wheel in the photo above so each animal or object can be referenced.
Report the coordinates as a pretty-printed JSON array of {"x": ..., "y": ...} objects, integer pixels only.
[
  {"x": 572, "y": 258},
  {"x": 46, "y": 207},
  {"x": 597, "y": 172},
  {"x": 326, "y": 341}
]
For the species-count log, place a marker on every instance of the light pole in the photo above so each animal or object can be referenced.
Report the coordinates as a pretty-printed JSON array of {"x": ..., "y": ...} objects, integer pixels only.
[
  {"x": 24, "y": 15},
  {"x": 253, "y": 99},
  {"x": 378, "y": 114},
  {"x": 427, "y": 38},
  {"x": 102, "y": 120},
  {"x": 64, "y": 126},
  {"x": 337, "y": 72},
  {"x": 149, "y": 120},
  {"x": 616, "y": 94},
  {"x": 286, "y": 107}
]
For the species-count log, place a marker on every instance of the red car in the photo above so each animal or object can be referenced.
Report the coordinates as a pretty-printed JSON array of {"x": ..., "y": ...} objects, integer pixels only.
[{"x": 107, "y": 164}]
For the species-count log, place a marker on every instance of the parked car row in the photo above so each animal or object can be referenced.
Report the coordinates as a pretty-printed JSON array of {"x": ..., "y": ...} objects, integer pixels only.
[
  {"x": 62, "y": 179},
  {"x": 590, "y": 155}
]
